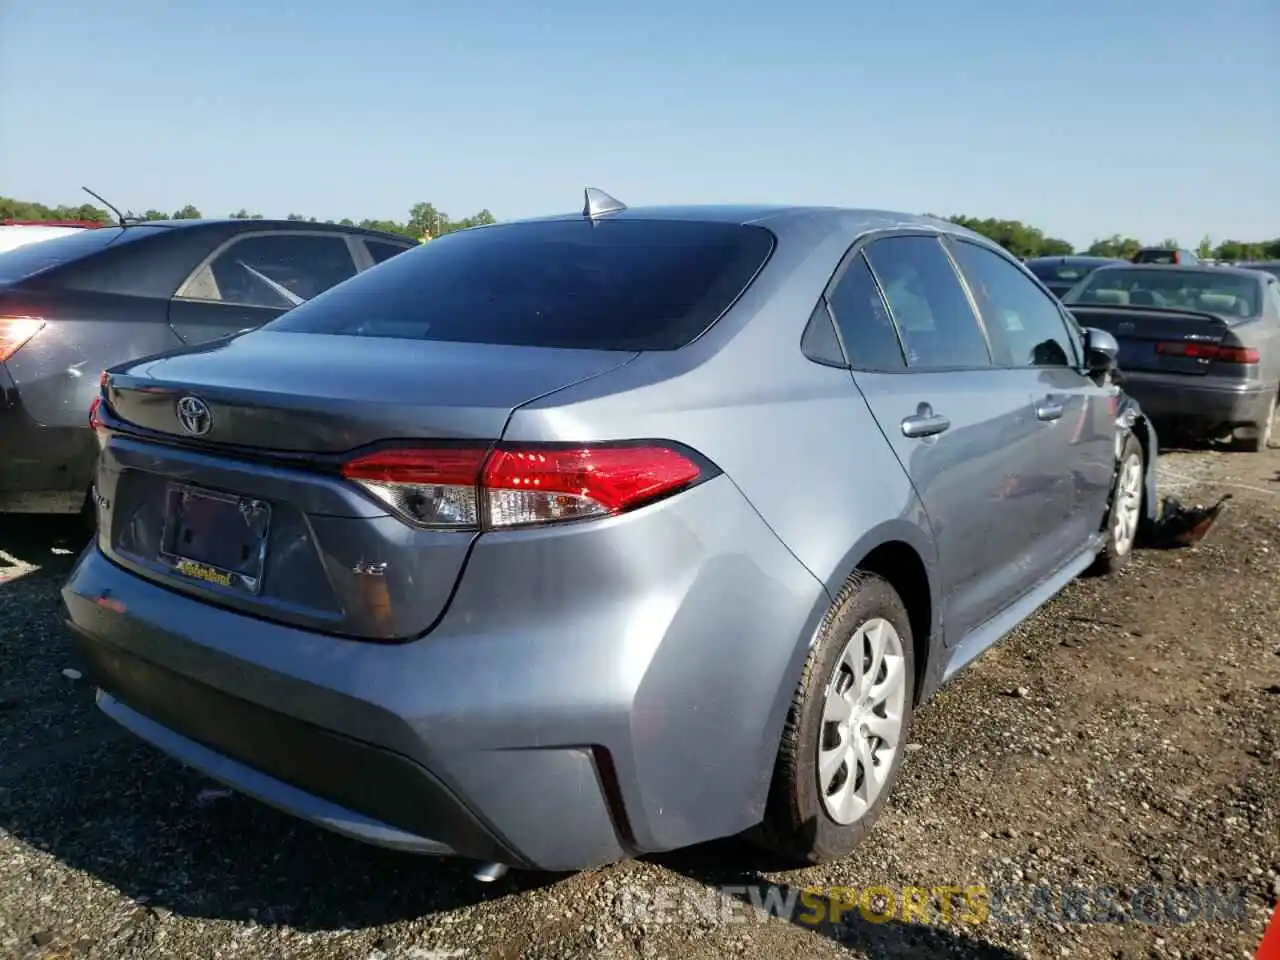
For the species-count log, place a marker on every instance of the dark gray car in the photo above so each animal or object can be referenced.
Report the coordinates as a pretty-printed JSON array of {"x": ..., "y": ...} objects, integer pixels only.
[
  {"x": 1199, "y": 346},
  {"x": 72, "y": 306},
  {"x": 558, "y": 542}
]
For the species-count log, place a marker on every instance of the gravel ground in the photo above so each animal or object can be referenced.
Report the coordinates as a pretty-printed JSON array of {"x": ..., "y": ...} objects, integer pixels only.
[{"x": 1127, "y": 736}]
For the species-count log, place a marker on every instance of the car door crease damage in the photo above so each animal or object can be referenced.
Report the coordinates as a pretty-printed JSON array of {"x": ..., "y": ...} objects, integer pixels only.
[{"x": 514, "y": 544}]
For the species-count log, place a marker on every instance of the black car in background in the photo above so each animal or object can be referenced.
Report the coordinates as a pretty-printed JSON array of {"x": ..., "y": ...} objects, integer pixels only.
[
  {"x": 1171, "y": 255},
  {"x": 72, "y": 306},
  {"x": 1060, "y": 274}
]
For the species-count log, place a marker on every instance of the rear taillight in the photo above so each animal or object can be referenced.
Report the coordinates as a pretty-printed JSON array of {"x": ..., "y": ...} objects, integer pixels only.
[
  {"x": 15, "y": 332},
  {"x": 1209, "y": 351},
  {"x": 520, "y": 485},
  {"x": 95, "y": 419},
  {"x": 95, "y": 408}
]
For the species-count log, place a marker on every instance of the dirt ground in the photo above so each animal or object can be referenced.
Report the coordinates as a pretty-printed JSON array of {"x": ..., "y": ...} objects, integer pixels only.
[{"x": 1127, "y": 737}]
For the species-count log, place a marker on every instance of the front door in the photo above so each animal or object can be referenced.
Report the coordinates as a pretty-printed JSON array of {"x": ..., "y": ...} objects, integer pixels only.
[{"x": 1075, "y": 453}]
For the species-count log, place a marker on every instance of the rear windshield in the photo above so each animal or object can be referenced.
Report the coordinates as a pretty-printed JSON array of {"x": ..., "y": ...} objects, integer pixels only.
[
  {"x": 609, "y": 285},
  {"x": 37, "y": 257},
  {"x": 1061, "y": 273},
  {"x": 1209, "y": 291}
]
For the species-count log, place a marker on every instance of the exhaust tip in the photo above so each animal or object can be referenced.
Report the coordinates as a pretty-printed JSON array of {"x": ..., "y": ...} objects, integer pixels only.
[{"x": 490, "y": 872}]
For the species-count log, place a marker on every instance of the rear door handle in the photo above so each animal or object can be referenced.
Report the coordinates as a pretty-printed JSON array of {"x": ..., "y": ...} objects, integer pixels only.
[
  {"x": 1049, "y": 408},
  {"x": 925, "y": 423}
]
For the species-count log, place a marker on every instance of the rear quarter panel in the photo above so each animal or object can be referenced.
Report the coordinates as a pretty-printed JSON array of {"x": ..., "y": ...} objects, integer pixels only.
[
  {"x": 56, "y": 373},
  {"x": 795, "y": 437}
]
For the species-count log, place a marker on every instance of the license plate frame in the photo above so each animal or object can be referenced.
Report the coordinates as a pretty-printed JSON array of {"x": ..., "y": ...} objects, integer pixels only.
[{"x": 178, "y": 538}]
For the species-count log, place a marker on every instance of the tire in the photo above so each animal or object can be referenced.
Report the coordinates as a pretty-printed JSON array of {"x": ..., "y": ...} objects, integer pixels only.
[
  {"x": 1126, "y": 503},
  {"x": 800, "y": 823}
]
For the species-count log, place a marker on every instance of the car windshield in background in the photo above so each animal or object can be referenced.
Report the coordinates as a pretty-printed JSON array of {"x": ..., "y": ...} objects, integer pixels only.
[
  {"x": 607, "y": 285},
  {"x": 1207, "y": 291},
  {"x": 1059, "y": 274},
  {"x": 25, "y": 261}
]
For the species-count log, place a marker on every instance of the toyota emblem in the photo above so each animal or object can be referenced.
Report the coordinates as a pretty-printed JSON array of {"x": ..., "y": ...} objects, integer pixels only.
[{"x": 194, "y": 415}]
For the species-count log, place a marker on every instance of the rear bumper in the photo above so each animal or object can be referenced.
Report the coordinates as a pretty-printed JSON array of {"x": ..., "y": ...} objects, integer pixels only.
[
  {"x": 1204, "y": 403},
  {"x": 46, "y": 469},
  {"x": 543, "y": 730}
]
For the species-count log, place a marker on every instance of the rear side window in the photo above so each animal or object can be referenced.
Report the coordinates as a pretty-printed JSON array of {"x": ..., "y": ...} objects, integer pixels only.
[
  {"x": 37, "y": 257},
  {"x": 607, "y": 285},
  {"x": 870, "y": 340},
  {"x": 938, "y": 326}
]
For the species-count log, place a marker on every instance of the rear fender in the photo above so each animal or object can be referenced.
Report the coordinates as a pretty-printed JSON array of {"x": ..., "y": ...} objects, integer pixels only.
[
  {"x": 1131, "y": 420},
  {"x": 897, "y": 533}
]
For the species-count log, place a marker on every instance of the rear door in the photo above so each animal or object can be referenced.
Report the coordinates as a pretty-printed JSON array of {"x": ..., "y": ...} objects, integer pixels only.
[
  {"x": 1075, "y": 451},
  {"x": 962, "y": 428},
  {"x": 254, "y": 278}
]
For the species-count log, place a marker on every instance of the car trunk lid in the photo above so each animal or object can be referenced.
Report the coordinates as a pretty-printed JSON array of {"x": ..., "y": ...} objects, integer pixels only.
[
  {"x": 1161, "y": 341},
  {"x": 320, "y": 393},
  {"x": 248, "y": 509}
]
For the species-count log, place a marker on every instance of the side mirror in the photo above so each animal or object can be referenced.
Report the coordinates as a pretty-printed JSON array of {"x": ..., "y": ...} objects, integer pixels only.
[{"x": 1100, "y": 350}]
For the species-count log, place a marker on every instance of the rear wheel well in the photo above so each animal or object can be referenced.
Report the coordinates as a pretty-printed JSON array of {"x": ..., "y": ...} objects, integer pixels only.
[{"x": 899, "y": 564}]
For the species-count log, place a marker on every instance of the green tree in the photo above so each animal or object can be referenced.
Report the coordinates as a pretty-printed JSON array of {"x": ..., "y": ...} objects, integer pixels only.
[
  {"x": 1018, "y": 238},
  {"x": 1205, "y": 250},
  {"x": 1122, "y": 248},
  {"x": 1015, "y": 236}
]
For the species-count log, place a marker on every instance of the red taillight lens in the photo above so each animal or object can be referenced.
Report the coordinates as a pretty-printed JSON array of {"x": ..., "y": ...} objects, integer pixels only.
[
  {"x": 514, "y": 486},
  {"x": 540, "y": 486},
  {"x": 1209, "y": 351},
  {"x": 15, "y": 332}
]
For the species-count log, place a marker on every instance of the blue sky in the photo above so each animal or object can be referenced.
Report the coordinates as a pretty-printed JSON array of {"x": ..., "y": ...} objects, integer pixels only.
[{"x": 1083, "y": 118}]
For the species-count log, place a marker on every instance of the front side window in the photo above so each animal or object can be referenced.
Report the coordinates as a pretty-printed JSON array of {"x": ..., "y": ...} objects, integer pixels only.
[
  {"x": 1015, "y": 310},
  {"x": 928, "y": 304},
  {"x": 278, "y": 271}
]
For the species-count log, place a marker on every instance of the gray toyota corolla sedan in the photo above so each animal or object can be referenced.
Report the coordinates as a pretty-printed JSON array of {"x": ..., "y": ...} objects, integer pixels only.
[{"x": 556, "y": 542}]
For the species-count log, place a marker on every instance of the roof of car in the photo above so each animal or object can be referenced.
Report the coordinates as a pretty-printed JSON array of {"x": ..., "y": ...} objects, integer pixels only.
[
  {"x": 259, "y": 224},
  {"x": 1200, "y": 267},
  {"x": 1076, "y": 258},
  {"x": 779, "y": 217}
]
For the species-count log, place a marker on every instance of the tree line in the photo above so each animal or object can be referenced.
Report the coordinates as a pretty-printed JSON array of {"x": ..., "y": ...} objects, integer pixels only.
[{"x": 425, "y": 220}]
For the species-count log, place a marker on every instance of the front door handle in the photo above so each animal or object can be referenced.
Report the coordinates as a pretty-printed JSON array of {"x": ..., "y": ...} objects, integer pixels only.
[
  {"x": 1049, "y": 408},
  {"x": 925, "y": 423}
]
